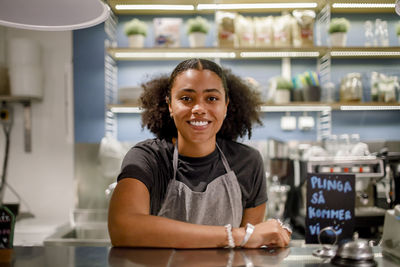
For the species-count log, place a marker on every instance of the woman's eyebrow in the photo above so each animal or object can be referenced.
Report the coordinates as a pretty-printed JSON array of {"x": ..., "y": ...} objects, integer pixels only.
[{"x": 212, "y": 90}]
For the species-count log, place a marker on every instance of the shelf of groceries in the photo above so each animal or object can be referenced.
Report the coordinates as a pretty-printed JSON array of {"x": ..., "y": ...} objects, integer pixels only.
[
  {"x": 289, "y": 107},
  {"x": 125, "y": 53}
]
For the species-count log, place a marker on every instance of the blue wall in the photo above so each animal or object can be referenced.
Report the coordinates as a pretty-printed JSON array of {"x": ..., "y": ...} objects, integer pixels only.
[
  {"x": 89, "y": 84},
  {"x": 88, "y": 60}
]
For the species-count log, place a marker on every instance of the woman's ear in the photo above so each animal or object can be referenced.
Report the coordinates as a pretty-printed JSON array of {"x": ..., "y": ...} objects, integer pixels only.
[{"x": 169, "y": 106}]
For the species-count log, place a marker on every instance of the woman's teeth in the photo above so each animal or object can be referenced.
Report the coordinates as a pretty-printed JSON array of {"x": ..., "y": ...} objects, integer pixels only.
[{"x": 199, "y": 123}]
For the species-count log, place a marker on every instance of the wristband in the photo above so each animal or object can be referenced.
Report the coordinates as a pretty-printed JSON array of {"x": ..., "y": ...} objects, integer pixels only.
[
  {"x": 284, "y": 226},
  {"x": 249, "y": 232},
  {"x": 231, "y": 242}
]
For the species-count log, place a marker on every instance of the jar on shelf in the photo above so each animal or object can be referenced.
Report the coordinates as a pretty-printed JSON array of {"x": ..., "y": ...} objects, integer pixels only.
[{"x": 351, "y": 88}]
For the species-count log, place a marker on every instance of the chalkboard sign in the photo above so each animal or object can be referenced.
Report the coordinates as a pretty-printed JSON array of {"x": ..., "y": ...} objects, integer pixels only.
[
  {"x": 330, "y": 202},
  {"x": 7, "y": 221}
]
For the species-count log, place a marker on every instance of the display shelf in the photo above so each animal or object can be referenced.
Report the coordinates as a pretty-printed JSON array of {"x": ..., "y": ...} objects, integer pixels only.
[
  {"x": 243, "y": 6},
  {"x": 362, "y": 6},
  {"x": 290, "y": 107},
  {"x": 364, "y": 52},
  {"x": 361, "y": 166},
  {"x": 125, "y": 53},
  {"x": 26, "y": 102}
]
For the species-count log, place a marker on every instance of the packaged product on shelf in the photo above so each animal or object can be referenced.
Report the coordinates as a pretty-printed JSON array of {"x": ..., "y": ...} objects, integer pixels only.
[
  {"x": 387, "y": 89},
  {"x": 226, "y": 29},
  {"x": 244, "y": 30},
  {"x": 375, "y": 77},
  {"x": 384, "y": 88},
  {"x": 303, "y": 28},
  {"x": 167, "y": 32},
  {"x": 263, "y": 31},
  {"x": 282, "y": 30},
  {"x": 351, "y": 88}
]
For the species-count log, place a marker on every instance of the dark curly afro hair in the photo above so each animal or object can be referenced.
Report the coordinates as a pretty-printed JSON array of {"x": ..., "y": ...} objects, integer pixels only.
[{"x": 243, "y": 107}]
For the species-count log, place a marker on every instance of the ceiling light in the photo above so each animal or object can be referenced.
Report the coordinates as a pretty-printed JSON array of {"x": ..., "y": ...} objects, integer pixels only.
[
  {"x": 126, "y": 109},
  {"x": 364, "y": 53},
  {"x": 154, "y": 7},
  {"x": 256, "y": 6},
  {"x": 362, "y": 5},
  {"x": 126, "y": 55},
  {"x": 352, "y": 108},
  {"x": 290, "y": 108},
  {"x": 278, "y": 54}
]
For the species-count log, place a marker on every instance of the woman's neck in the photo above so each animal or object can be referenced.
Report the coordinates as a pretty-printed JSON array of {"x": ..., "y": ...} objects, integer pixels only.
[{"x": 195, "y": 150}]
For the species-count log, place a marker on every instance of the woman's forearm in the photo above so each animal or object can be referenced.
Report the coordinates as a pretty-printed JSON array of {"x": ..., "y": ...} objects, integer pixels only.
[{"x": 153, "y": 231}]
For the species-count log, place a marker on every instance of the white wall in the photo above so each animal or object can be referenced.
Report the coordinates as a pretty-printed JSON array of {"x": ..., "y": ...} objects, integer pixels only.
[{"x": 44, "y": 177}]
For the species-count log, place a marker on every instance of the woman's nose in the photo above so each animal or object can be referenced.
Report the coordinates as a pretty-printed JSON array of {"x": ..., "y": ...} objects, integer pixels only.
[{"x": 198, "y": 108}]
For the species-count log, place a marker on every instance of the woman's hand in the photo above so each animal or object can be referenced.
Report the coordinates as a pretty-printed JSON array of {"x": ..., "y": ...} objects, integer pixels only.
[{"x": 269, "y": 233}]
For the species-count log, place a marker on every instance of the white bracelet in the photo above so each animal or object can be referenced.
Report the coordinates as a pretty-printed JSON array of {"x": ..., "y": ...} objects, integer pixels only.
[
  {"x": 287, "y": 228},
  {"x": 231, "y": 242},
  {"x": 249, "y": 232}
]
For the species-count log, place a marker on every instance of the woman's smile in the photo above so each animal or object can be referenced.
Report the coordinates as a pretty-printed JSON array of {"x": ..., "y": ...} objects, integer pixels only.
[{"x": 199, "y": 124}]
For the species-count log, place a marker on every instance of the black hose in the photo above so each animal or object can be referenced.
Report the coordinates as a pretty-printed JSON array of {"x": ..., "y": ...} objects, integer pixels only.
[{"x": 7, "y": 131}]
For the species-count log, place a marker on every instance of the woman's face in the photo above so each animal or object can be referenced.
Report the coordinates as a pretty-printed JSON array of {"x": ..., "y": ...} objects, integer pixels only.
[{"x": 198, "y": 105}]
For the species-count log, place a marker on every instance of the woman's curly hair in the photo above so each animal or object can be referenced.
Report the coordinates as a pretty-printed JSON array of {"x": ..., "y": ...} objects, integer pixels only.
[{"x": 243, "y": 107}]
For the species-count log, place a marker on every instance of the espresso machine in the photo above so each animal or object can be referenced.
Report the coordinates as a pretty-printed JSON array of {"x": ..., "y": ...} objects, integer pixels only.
[
  {"x": 278, "y": 171},
  {"x": 377, "y": 186}
]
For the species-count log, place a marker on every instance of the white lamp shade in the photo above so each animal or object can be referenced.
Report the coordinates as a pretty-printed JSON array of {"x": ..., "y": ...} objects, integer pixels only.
[{"x": 53, "y": 15}]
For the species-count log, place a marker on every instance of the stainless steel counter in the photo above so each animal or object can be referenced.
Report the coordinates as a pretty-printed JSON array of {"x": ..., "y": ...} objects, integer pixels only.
[{"x": 296, "y": 255}]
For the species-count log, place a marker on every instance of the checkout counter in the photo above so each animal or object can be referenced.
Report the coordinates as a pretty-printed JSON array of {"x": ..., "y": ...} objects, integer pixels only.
[{"x": 297, "y": 254}]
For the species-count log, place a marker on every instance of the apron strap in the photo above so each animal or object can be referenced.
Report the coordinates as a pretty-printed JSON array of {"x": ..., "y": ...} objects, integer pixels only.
[
  {"x": 175, "y": 159},
  {"x": 224, "y": 161}
]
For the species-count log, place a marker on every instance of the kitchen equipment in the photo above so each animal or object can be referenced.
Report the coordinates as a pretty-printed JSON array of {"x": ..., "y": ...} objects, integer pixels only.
[
  {"x": 368, "y": 171},
  {"x": 327, "y": 251},
  {"x": 4, "y": 81},
  {"x": 357, "y": 252},
  {"x": 25, "y": 67},
  {"x": 391, "y": 232},
  {"x": 278, "y": 169}
]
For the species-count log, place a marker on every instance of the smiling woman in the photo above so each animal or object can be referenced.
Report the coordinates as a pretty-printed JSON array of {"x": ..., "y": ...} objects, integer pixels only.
[{"x": 194, "y": 186}]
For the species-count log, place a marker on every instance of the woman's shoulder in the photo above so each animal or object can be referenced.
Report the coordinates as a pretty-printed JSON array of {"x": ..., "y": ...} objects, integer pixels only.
[
  {"x": 231, "y": 147},
  {"x": 153, "y": 147},
  {"x": 154, "y": 143}
]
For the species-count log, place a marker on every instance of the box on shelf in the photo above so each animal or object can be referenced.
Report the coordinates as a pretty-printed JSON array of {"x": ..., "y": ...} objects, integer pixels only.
[{"x": 167, "y": 32}]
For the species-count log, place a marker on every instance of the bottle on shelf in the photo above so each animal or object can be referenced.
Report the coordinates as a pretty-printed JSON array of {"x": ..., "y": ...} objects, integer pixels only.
[{"x": 369, "y": 34}]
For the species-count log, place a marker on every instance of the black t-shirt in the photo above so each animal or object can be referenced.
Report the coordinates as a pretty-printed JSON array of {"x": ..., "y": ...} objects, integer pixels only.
[{"x": 150, "y": 162}]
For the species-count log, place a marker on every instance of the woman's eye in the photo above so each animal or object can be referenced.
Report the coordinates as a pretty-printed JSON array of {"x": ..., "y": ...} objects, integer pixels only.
[
  {"x": 213, "y": 98},
  {"x": 185, "y": 98}
]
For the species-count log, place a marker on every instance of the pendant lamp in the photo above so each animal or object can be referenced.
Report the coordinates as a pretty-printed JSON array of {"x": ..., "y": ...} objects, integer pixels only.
[{"x": 52, "y": 15}]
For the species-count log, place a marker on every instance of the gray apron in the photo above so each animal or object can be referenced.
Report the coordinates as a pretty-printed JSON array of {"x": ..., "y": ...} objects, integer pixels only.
[{"x": 219, "y": 204}]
